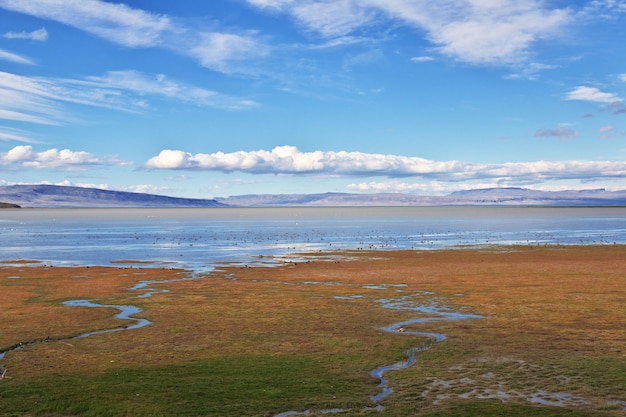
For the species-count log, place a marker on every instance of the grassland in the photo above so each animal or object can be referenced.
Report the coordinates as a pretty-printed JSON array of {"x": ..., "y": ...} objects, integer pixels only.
[{"x": 305, "y": 336}]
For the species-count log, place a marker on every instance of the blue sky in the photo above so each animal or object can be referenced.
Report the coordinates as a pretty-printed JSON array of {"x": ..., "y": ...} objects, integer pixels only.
[{"x": 229, "y": 97}]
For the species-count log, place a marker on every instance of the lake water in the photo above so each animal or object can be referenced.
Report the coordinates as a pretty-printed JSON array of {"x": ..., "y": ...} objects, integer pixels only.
[{"x": 200, "y": 237}]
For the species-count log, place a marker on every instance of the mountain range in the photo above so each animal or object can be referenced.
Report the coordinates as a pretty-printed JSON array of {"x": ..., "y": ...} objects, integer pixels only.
[
  {"x": 487, "y": 196},
  {"x": 42, "y": 195},
  {"x": 64, "y": 196}
]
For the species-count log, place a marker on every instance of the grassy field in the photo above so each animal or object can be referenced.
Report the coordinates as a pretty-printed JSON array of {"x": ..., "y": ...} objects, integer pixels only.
[{"x": 265, "y": 340}]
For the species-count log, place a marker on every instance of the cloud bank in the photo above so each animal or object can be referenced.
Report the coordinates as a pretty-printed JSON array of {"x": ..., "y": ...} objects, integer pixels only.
[
  {"x": 289, "y": 160},
  {"x": 65, "y": 159}
]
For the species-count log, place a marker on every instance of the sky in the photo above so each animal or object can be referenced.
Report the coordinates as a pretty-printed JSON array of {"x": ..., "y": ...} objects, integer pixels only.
[{"x": 218, "y": 98}]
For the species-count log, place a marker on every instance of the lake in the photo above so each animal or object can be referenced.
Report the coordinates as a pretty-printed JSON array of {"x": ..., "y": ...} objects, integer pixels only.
[{"x": 197, "y": 238}]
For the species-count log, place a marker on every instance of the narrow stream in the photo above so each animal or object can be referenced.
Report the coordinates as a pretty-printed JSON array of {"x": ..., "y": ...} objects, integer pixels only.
[
  {"x": 409, "y": 303},
  {"x": 126, "y": 312},
  {"x": 439, "y": 313}
]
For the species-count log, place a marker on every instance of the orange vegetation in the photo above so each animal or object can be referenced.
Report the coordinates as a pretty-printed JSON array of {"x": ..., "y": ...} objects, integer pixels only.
[{"x": 540, "y": 305}]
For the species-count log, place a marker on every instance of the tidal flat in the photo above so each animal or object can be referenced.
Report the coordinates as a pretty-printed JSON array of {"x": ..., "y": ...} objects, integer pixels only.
[{"x": 543, "y": 332}]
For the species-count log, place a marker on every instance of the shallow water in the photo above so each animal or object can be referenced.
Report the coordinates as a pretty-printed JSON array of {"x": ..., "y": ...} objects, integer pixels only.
[{"x": 198, "y": 238}]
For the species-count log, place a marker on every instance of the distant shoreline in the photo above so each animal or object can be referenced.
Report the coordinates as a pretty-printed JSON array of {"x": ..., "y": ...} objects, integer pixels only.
[{"x": 323, "y": 256}]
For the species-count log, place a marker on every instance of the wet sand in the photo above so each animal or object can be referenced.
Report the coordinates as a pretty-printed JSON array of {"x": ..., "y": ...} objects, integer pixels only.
[{"x": 545, "y": 311}]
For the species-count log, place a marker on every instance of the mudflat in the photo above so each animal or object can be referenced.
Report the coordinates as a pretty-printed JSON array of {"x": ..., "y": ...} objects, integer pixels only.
[{"x": 305, "y": 336}]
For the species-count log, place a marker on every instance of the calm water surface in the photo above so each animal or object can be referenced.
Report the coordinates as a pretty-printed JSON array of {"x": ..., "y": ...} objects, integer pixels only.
[{"x": 199, "y": 237}]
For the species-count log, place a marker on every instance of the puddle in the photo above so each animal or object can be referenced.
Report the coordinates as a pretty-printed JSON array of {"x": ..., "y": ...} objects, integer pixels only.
[
  {"x": 556, "y": 399},
  {"x": 348, "y": 297},
  {"x": 383, "y": 286}
]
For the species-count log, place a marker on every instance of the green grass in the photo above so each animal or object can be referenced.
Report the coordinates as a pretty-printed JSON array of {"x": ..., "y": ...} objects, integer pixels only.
[
  {"x": 223, "y": 386},
  {"x": 492, "y": 408},
  {"x": 605, "y": 376}
]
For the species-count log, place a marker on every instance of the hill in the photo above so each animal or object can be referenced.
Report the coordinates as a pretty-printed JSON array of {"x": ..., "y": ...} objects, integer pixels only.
[
  {"x": 489, "y": 196},
  {"x": 62, "y": 196}
]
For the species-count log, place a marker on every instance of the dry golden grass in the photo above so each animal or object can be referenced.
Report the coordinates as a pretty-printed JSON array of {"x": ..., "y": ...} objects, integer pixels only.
[{"x": 554, "y": 320}]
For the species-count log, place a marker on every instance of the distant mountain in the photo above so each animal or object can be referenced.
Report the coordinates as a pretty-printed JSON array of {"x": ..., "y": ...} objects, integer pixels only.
[
  {"x": 61, "y": 196},
  {"x": 329, "y": 199},
  {"x": 523, "y": 196},
  {"x": 488, "y": 196}
]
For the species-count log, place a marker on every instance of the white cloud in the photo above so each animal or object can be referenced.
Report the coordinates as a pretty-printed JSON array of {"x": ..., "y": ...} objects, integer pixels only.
[
  {"x": 434, "y": 187},
  {"x": 271, "y": 4},
  {"x": 137, "y": 28},
  {"x": 40, "y": 35},
  {"x": 115, "y": 22},
  {"x": 429, "y": 188},
  {"x": 338, "y": 42},
  {"x": 529, "y": 71},
  {"x": 160, "y": 85},
  {"x": 610, "y": 131},
  {"x": 513, "y": 28},
  {"x": 41, "y": 100},
  {"x": 332, "y": 18},
  {"x": 24, "y": 117},
  {"x": 219, "y": 51},
  {"x": 288, "y": 160},
  {"x": 605, "y": 129},
  {"x": 456, "y": 27},
  {"x": 7, "y": 134},
  {"x": 425, "y": 187},
  {"x": 591, "y": 94},
  {"x": 145, "y": 189},
  {"x": 603, "y": 9},
  {"x": 564, "y": 134},
  {"x": 422, "y": 59},
  {"x": 18, "y": 59},
  {"x": 24, "y": 157}
]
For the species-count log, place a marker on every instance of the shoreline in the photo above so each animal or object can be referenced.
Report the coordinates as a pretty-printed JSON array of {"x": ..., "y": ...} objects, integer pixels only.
[{"x": 294, "y": 257}]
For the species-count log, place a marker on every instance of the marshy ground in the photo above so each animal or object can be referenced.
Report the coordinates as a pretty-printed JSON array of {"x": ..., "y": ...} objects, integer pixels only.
[{"x": 305, "y": 336}]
